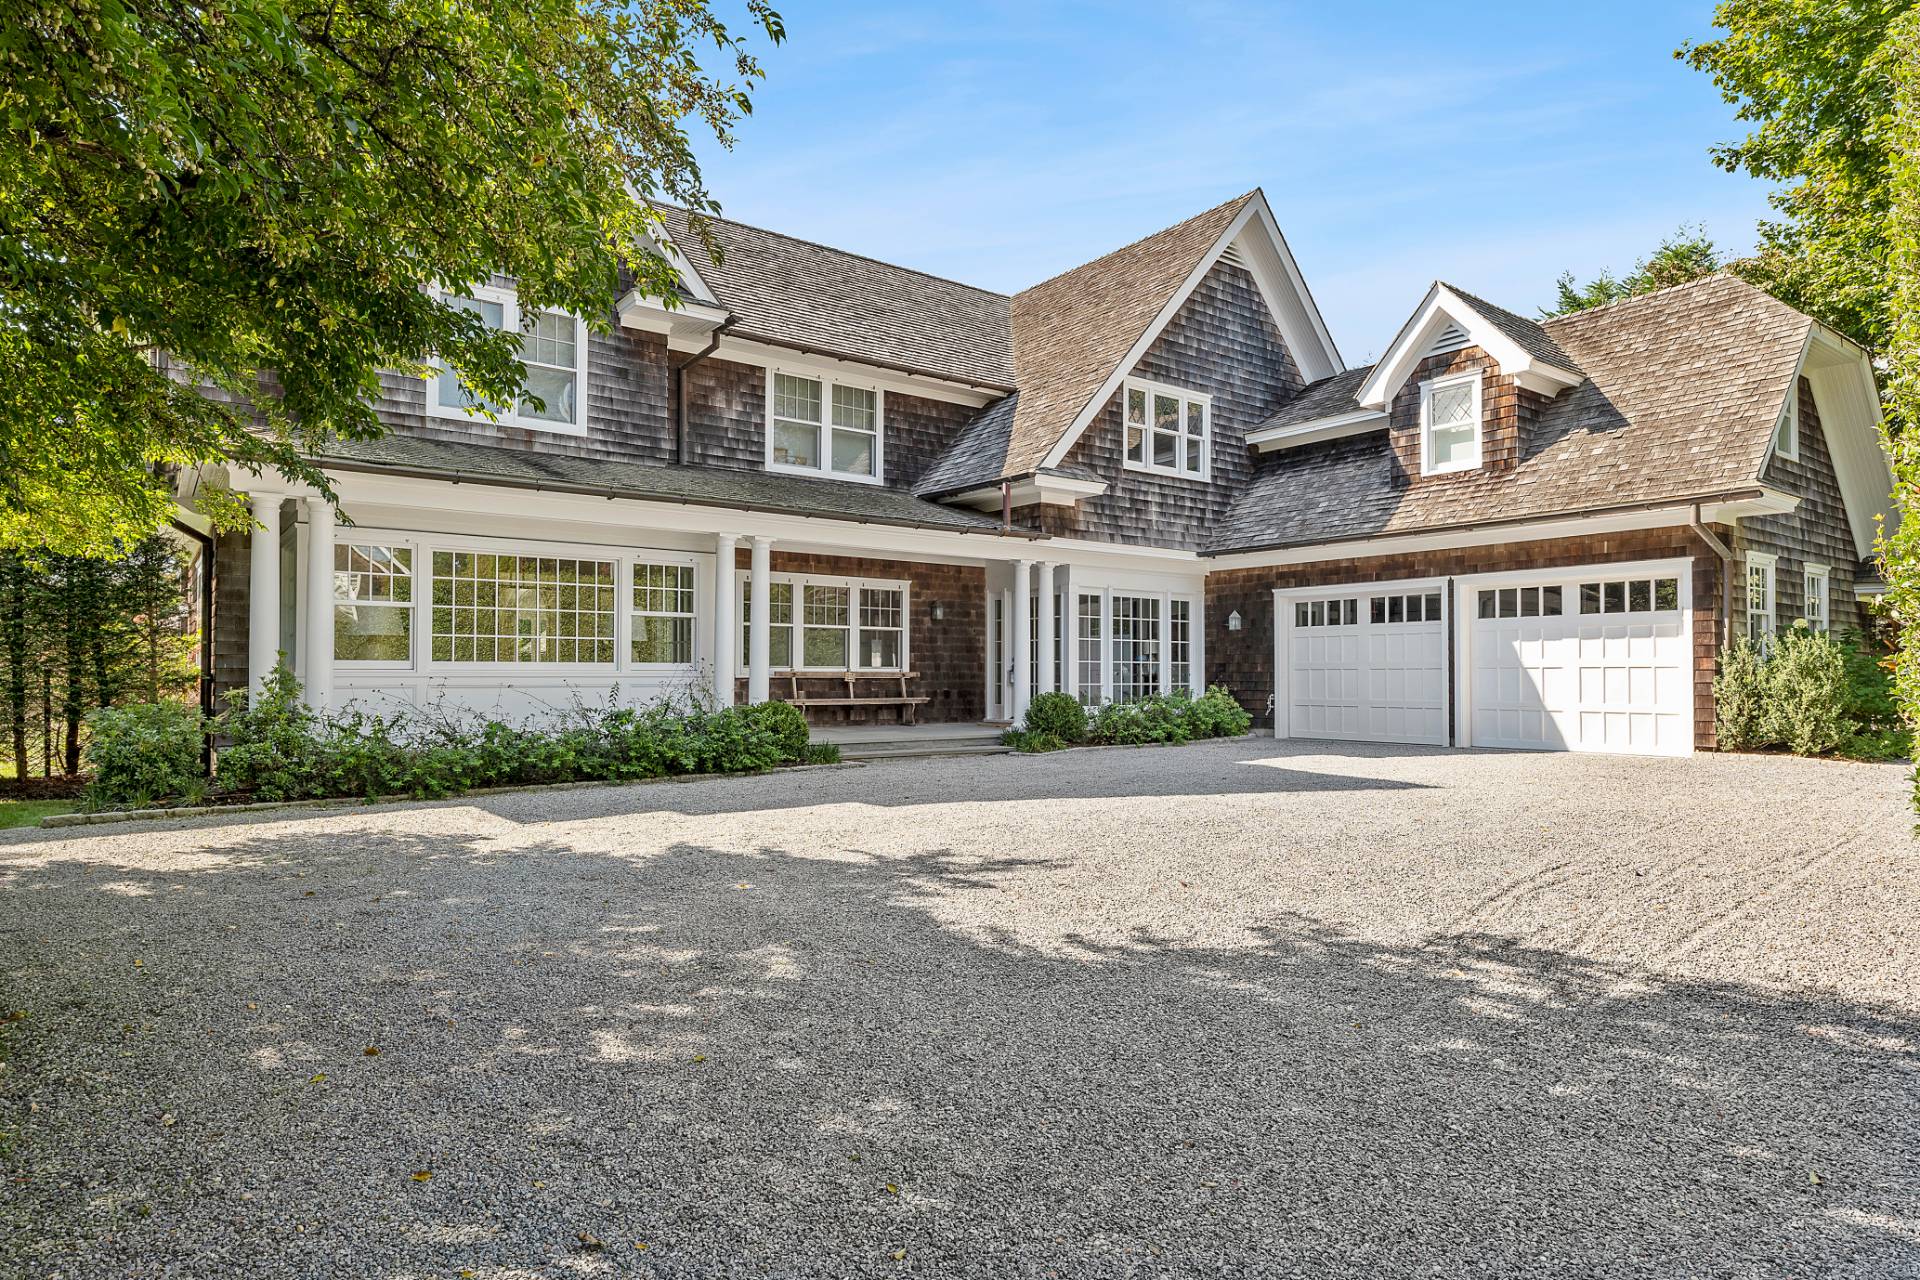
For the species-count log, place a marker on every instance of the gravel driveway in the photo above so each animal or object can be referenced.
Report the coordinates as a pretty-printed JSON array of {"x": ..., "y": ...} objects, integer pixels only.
[{"x": 1238, "y": 1009}]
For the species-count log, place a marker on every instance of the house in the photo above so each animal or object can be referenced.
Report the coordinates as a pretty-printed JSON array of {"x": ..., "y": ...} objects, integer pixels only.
[{"x": 887, "y": 495}]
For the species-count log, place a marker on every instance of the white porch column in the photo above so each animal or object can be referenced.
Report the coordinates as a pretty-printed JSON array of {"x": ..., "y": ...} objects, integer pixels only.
[
  {"x": 1043, "y": 588},
  {"x": 318, "y": 641},
  {"x": 263, "y": 590},
  {"x": 1019, "y": 647},
  {"x": 760, "y": 621},
  {"x": 724, "y": 626}
]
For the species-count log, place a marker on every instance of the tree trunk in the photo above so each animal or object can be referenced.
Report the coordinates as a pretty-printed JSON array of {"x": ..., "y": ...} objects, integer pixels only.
[
  {"x": 46, "y": 723},
  {"x": 73, "y": 688},
  {"x": 15, "y": 640}
]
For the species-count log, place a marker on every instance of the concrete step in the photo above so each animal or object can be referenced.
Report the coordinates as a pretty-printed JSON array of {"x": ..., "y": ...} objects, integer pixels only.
[{"x": 921, "y": 749}]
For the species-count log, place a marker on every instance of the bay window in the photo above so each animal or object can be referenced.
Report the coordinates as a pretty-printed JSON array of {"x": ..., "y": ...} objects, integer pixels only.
[
  {"x": 1167, "y": 430},
  {"x": 372, "y": 603},
  {"x": 818, "y": 426},
  {"x": 553, "y": 350}
]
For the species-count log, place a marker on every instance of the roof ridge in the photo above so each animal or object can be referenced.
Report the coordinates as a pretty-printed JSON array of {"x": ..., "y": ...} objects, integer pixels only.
[
  {"x": 1697, "y": 281},
  {"x": 1242, "y": 198},
  {"x": 845, "y": 253}
]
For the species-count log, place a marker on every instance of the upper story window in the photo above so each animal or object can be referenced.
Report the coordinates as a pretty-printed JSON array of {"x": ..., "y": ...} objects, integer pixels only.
[
  {"x": 1168, "y": 430},
  {"x": 1786, "y": 433},
  {"x": 1450, "y": 424},
  {"x": 817, "y": 426},
  {"x": 553, "y": 350}
]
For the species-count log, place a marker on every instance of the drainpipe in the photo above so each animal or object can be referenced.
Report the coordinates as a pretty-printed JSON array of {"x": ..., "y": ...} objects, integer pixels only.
[
  {"x": 1726, "y": 572},
  {"x": 206, "y": 636},
  {"x": 677, "y": 392},
  {"x": 1006, "y": 505}
]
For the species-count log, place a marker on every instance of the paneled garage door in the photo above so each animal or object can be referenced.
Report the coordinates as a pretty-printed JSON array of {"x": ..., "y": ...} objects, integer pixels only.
[
  {"x": 1363, "y": 664},
  {"x": 1599, "y": 659}
]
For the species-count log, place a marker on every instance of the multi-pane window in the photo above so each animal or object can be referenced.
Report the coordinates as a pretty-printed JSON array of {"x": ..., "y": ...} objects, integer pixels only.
[
  {"x": 663, "y": 614},
  {"x": 1388, "y": 610},
  {"x": 1634, "y": 595},
  {"x": 1759, "y": 596},
  {"x": 1179, "y": 644},
  {"x": 825, "y": 615},
  {"x": 552, "y": 347},
  {"x": 883, "y": 634},
  {"x": 1136, "y": 646},
  {"x": 1166, "y": 429},
  {"x": 1816, "y": 585},
  {"x": 1033, "y": 640},
  {"x": 372, "y": 603},
  {"x": 1450, "y": 424},
  {"x": 1000, "y": 652},
  {"x": 515, "y": 608},
  {"x": 1523, "y": 602},
  {"x": 1326, "y": 613},
  {"x": 824, "y": 426},
  {"x": 1089, "y": 653},
  {"x": 779, "y": 624}
]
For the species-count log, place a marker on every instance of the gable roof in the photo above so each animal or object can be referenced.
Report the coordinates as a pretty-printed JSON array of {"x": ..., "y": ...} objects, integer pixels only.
[
  {"x": 1530, "y": 336},
  {"x": 1683, "y": 389},
  {"x": 1523, "y": 348},
  {"x": 795, "y": 293}
]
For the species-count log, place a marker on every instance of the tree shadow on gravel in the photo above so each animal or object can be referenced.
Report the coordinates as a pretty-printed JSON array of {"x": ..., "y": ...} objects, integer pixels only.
[{"x": 760, "y": 1064}]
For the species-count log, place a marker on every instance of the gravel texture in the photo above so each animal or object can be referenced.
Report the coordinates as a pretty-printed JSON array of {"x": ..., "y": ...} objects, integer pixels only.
[{"x": 1246, "y": 1009}]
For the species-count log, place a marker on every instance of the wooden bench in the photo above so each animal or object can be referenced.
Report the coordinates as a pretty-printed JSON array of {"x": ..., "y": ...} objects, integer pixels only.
[{"x": 853, "y": 698}]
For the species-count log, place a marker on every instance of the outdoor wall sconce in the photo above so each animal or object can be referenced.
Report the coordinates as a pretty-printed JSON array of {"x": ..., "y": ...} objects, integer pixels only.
[
  {"x": 1233, "y": 620},
  {"x": 939, "y": 611}
]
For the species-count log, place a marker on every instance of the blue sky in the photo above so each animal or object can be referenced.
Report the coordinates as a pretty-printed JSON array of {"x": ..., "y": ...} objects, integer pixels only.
[{"x": 1491, "y": 145}]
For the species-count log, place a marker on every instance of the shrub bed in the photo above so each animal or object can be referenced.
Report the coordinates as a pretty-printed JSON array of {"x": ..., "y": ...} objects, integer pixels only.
[
  {"x": 1812, "y": 694},
  {"x": 1163, "y": 717},
  {"x": 278, "y": 749}
]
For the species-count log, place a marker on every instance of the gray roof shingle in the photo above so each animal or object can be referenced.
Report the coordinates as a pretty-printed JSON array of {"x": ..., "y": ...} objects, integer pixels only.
[
  {"x": 1682, "y": 394},
  {"x": 697, "y": 486},
  {"x": 792, "y": 292},
  {"x": 1326, "y": 398},
  {"x": 1529, "y": 335}
]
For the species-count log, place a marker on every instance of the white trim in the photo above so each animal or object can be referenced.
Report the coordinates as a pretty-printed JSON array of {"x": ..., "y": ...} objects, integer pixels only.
[
  {"x": 1058, "y": 491},
  {"x": 826, "y": 428},
  {"x": 1847, "y": 399},
  {"x": 1823, "y": 574},
  {"x": 1751, "y": 560},
  {"x": 1314, "y": 351},
  {"x": 1439, "y": 309},
  {"x": 1789, "y": 422},
  {"x": 1428, "y": 389},
  {"x": 1284, "y": 627},
  {"x": 796, "y": 652},
  {"x": 510, "y": 322},
  {"x": 1335, "y": 427},
  {"x": 1187, "y": 400},
  {"x": 639, "y": 313}
]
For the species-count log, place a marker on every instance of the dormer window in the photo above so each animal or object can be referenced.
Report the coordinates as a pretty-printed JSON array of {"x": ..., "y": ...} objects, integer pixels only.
[
  {"x": 553, "y": 351},
  {"x": 1450, "y": 424},
  {"x": 1168, "y": 430},
  {"x": 816, "y": 426}
]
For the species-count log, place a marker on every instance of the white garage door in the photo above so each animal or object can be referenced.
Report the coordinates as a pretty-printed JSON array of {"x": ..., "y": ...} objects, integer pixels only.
[
  {"x": 1364, "y": 664},
  {"x": 1598, "y": 660}
]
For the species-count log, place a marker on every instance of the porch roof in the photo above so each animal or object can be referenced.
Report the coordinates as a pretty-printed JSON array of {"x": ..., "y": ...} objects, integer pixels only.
[{"x": 461, "y": 462}]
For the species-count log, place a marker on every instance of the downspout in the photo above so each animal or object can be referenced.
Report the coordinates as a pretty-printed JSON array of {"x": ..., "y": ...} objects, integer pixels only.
[
  {"x": 677, "y": 393},
  {"x": 1006, "y": 505},
  {"x": 1726, "y": 572},
  {"x": 206, "y": 638}
]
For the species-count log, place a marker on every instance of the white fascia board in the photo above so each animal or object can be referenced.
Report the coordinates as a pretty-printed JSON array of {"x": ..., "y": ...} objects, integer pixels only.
[
  {"x": 1256, "y": 213},
  {"x": 1318, "y": 358},
  {"x": 1665, "y": 517},
  {"x": 690, "y": 276},
  {"x": 767, "y": 355},
  {"x": 1059, "y": 491},
  {"x": 1436, "y": 310},
  {"x": 1848, "y": 401},
  {"x": 1359, "y": 422}
]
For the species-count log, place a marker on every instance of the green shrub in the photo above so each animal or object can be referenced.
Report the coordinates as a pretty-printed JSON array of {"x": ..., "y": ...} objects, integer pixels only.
[
  {"x": 1740, "y": 699},
  {"x": 1058, "y": 715},
  {"x": 1807, "y": 692},
  {"x": 1877, "y": 745},
  {"x": 272, "y": 750},
  {"x": 1218, "y": 714},
  {"x": 821, "y": 753},
  {"x": 145, "y": 753},
  {"x": 1870, "y": 703},
  {"x": 1031, "y": 743},
  {"x": 787, "y": 725},
  {"x": 1157, "y": 718}
]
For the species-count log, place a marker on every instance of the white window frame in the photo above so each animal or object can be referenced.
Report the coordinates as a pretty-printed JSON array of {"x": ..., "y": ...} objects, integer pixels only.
[
  {"x": 1771, "y": 613},
  {"x": 743, "y": 586},
  {"x": 1188, "y": 400},
  {"x": 1818, "y": 582},
  {"x": 1471, "y": 380},
  {"x": 631, "y": 575},
  {"x": 1196, "y": 638},
  {"x": 1786, "y": 432},
  {"x": 827, "y": 383},
  {"x": 414, "y": 577},
  {"x": 510, "y": 317}
]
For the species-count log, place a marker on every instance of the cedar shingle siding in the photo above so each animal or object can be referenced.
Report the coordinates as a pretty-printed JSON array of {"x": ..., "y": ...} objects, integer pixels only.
[{"x": 1816, "y": 533}]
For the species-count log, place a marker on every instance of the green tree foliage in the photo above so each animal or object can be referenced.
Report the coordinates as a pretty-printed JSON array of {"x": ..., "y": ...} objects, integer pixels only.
[
  {"x": 1900, "y": 551},
  {"x": 1817, "y": 80},
  {"x": 1686, "y": 255},
  {"x": 219, "y": 222},
  {"x": 78, "y": 633}
]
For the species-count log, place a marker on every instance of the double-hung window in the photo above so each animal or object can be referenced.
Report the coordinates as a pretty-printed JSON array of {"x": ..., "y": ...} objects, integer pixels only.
[
  {"x": 1168, "y": 430},
  {"x": 553, "y": 353},
  {"x": 779, "y": 624},
  {"x": 817, "y": 426},
  {"x": 1816, "y": 611},
  {"x": 663, "y": 615},
  {"x": 883, "y": 628},
  {"x": 841, "y": 624},
  {"x": 372, "y": 603},
  {"x": 1450, "y": 424},
  {"x": 1760, "y": 599}
]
